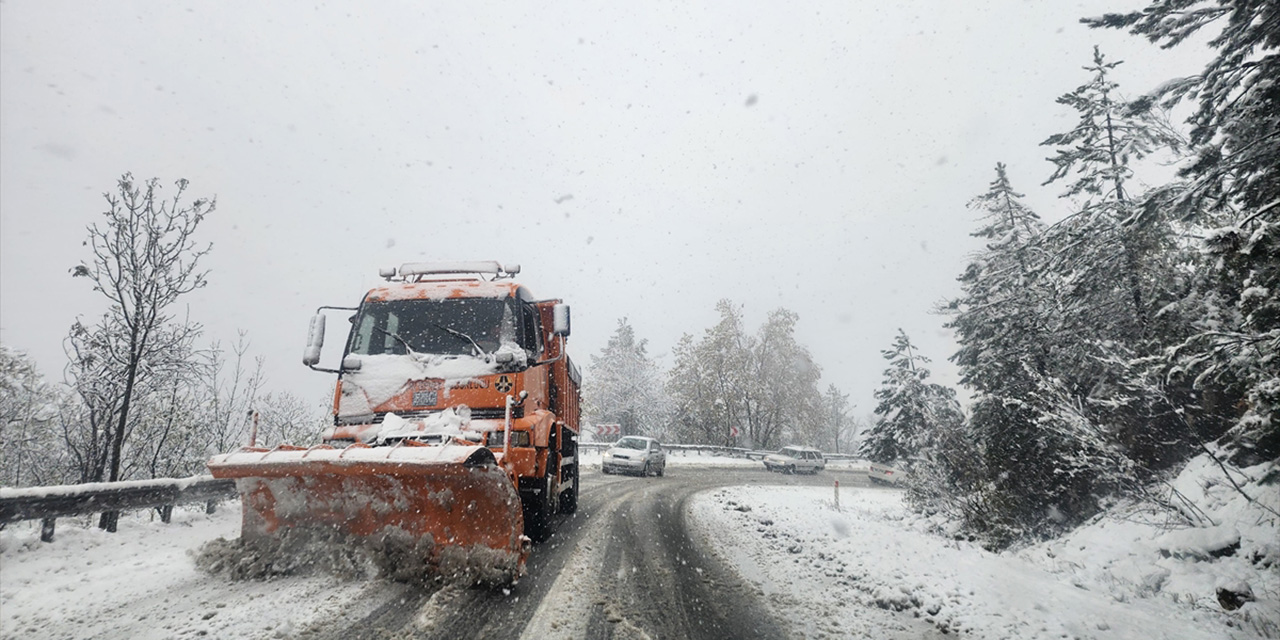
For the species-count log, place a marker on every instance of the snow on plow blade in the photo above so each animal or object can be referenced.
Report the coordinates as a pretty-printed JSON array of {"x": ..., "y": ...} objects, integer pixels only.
[{"x": 446, "y": 508}]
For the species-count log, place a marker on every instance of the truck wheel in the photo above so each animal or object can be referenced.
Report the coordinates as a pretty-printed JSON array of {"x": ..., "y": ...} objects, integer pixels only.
[
  {"x": 569, "y": 497},
  {"x": 662, "y": 468},
  {"x": 537, "y": 511}
]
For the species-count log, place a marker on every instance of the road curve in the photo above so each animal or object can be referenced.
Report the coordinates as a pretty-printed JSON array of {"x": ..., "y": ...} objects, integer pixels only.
[{"x": 625, "y": 566}]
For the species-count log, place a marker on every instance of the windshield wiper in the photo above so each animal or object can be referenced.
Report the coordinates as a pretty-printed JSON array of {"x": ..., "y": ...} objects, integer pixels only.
[
  {"x": 464, "y": 336},
  {"x": 407, "y": 348}
]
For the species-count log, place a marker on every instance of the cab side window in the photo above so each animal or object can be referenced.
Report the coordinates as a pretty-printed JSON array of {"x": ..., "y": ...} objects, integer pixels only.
[{"x": 531, "y": 339}]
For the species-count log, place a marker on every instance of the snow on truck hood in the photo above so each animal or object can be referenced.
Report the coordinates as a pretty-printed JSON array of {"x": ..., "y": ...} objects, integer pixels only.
[
  {"x": 449, "y": 422},
  {"x": 383, "y": 376}
]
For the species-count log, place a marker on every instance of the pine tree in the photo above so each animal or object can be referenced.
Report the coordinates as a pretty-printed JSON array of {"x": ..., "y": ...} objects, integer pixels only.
[
  {"x": 1234, "y": 128},
  {"x": 910, "y": 408},
  {"x": 1098, "y": 152},
  {"x": 1002, "y": 319},
  {"x": 1231, "y": 190},
  {"x": 1033, "y": 455},
  {"x": 1117, "y": 264}
]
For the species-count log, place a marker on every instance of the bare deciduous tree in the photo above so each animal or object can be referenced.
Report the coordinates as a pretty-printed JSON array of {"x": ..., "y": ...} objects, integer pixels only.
[{"x": 144, "y": 258}]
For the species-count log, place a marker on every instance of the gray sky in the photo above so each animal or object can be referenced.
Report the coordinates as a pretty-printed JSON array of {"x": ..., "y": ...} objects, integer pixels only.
[{"x": 641, "y": 160}]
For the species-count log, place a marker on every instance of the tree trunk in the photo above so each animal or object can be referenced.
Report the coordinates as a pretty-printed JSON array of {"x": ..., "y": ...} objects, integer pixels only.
[{"x": 109, "y": 519}]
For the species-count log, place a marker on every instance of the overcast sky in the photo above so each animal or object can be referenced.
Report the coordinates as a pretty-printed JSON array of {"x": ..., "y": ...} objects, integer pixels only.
[{"x": 638, "y": 159}]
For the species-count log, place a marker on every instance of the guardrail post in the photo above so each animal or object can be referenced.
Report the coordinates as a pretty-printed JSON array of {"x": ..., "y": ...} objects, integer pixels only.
[
  {"x": 211, "y": 506},
  {"x": 46, "y": 529},
  {"x": 166, "y": 513}
]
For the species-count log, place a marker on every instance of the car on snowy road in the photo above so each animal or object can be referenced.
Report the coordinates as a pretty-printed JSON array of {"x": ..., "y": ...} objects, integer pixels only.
[
  {"x": 883, "y": 474},
  {"x": 635, "y": 454},
  {"x": 795, "y": 460}
]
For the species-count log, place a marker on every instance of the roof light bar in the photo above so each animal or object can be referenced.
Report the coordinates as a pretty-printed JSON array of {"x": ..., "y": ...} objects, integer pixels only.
[{"x": 419, "y": 269}]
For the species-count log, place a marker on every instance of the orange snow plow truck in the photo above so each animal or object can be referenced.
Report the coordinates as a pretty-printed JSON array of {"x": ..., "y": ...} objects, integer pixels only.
[{"x": 455, "y": 424}]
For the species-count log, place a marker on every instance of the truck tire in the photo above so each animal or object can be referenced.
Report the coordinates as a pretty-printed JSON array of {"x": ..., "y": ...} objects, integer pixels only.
[
  {"x": 569, "y": 497},
  {"x": 540, "y": 506},
  {"x": 537, "y": 511}
]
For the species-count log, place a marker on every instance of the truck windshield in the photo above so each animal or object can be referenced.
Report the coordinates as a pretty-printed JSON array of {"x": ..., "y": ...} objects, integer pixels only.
[{"x": 437, "y": 327}]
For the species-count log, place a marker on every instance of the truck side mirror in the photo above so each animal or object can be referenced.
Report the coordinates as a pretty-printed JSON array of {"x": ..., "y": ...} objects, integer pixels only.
[
  {"x": 560, "y": 319},
  {"x": 315, "y": 341}
]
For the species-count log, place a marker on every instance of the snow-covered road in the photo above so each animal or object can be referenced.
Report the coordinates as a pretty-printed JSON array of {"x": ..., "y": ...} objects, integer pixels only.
[
  {"x": 705, "y": 552},
  {"x": 625, "y": 565}
]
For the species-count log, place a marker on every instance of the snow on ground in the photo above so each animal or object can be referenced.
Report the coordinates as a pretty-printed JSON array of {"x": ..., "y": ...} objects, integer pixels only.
[
  {"x": 1106, "y": 581},
  {"x": 142, "y": 582}
]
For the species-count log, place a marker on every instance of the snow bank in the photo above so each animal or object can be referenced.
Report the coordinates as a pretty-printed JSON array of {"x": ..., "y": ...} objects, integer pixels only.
[
  {"x": 1136, "y": 552},
  {"x": 142, "y": 583},
  {"x": 843, "y": 571}
]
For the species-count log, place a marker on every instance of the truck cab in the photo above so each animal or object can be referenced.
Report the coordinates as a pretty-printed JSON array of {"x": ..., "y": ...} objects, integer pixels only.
[{"x": 461, "y": 352}]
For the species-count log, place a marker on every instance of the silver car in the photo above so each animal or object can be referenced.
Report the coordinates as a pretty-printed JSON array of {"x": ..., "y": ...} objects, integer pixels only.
[
  {"x": 795, "y": 459},
  {"x": 635, "y": 454}
]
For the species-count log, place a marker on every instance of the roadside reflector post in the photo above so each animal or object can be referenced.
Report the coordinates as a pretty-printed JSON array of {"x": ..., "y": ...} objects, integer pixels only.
[
  {"x": 837, "y": 495},
  {"x": 46, "y": 529}
]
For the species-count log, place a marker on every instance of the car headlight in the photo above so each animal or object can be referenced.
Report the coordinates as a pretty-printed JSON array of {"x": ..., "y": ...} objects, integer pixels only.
[{"x": 608, "y": 454}]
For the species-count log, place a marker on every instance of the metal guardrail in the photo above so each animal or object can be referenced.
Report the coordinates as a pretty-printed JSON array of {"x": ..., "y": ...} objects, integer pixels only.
[
  {"x": 704, "y": 449},
  {"x": 50, "y": 503}
]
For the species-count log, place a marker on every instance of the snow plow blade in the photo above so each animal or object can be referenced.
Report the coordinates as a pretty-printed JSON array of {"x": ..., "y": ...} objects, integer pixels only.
[{"x": 442, "y": 509}]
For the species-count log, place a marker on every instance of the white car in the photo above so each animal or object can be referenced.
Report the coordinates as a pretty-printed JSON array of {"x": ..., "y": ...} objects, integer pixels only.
[
  {"x": 795, "y": 460},
  {"x": 883, "y": 474},
  {"x": 635, "y": 454}
]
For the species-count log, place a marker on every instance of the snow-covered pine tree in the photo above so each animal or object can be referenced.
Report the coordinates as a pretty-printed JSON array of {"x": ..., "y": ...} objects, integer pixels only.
[
  {"x": 623, "y": 385},
  {"x": 1232, "y": 188},
  {"x": 1003, "y": 316},
  {"x": 1235, "y": 129},
  {"x": 910, "y": 409},
  {"x": 1108, "y": 239},
  {"x": 1006, "y": 323},
  {"x": 1117, "y": 265}
]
